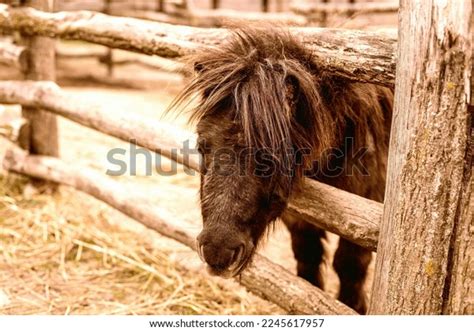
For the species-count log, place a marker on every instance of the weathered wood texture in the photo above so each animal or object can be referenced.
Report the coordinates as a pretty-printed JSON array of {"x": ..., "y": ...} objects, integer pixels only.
[
  {"x": 358, "y": 55},
  {"x": 459, "y": 288},
  {"x": 348, "y": 215},
  {"x": 427, "y": 196},
  {"x": 344, "y": 8},
  {"x": 158, "y": 137},
  {"x": 262, "y": 277},
  {"x": 13, "y": 55},
  {"x": 215, "y": 18},
  {"x": 40, "y": 135},
  {"x": 151, "y": 62},
  {"x": 343, "y": 213}
]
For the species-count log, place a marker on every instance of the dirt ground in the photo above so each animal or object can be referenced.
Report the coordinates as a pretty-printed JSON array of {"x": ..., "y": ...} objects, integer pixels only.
[{"x": 70, "y": 254}]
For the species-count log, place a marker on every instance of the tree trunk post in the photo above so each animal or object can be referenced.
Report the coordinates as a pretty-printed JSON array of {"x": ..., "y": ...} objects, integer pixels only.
[
  {"x": 160, "y": 6},
  {"x": 216, "y": 4},
  {"x": 108, "y": 59},
  {"x": 425, "y": 225},
  {"x": 351, "y": 12},
  {"x": 459, "y": 288},
  {"x": 40, "y": 135},
  {"x": 324, "y": 16}
]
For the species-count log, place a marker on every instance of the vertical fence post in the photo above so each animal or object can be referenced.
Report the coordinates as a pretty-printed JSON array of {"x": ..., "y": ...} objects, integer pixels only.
[
  {"x": 265, "y": 6},
  {"x": 351, "y": 12},
  {"x": 459, "y": 288},
  {"x": 108, "y": 59},
  {"x": 40, "y": 135},
  {"x": 324, "y": 16},
  {"x": 160, "y": 5},
  {"x": 428, "y": 194},
  {"x": 216, "y": 4}
]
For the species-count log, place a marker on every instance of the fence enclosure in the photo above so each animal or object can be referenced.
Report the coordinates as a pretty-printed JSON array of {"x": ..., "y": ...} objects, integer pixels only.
[{"x": 428, "y": 206}]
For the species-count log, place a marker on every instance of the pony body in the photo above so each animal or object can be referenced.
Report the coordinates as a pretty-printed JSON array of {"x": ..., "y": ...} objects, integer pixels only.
[{"x": 269, "y": 117}]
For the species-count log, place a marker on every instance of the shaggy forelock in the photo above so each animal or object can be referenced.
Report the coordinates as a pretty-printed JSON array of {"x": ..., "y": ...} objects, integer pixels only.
[{"x": 264, "y": 77}]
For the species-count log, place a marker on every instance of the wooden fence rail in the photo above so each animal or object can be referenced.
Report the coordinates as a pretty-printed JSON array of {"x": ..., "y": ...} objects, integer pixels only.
[
  {"x": 370, "y": 57},
  {"x": 262, "y": 277},
  {"x": 346, "y": 214},
  {"x": 345, "y": 8},
  {"x": 214, "y": 18}
]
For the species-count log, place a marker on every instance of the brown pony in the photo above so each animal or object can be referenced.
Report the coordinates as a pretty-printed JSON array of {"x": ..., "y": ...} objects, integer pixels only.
[{"x": 268, "y": 116}]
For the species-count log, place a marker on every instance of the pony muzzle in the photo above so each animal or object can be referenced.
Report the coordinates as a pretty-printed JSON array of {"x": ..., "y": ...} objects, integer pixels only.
[{"x": 223, "y": 258}]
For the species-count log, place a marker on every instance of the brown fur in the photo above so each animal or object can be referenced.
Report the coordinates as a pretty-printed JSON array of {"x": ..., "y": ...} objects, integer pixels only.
[{"x": 267, "y": 116}]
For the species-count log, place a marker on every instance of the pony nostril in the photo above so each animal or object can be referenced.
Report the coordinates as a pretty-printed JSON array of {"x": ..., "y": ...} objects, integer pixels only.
[
  {"x": 238, "y": 254},
  {"x": 200, "y": 251}
]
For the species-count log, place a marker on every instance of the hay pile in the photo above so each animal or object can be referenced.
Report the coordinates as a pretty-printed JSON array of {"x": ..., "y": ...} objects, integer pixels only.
[{"x": 62, "y": 254}]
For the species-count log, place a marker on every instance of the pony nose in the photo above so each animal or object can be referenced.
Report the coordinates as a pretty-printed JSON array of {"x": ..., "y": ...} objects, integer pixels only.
[
  {"x": 217, "y": 252},
  {"x": 218, "y": 257}
]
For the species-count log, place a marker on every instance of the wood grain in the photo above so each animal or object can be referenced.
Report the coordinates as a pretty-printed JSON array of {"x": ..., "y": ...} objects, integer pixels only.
[{"x": 427, "y": 196}]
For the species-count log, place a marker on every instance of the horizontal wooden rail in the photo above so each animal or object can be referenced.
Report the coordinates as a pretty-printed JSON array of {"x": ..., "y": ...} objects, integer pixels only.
[
  {"x": 262, "y": 277},
  {"x": 345, "y": 8},
  {"x": 346, "y": 214},
  {"x": 357, "y": 55},
  {"x": 13, "y": 55},
  {"x": 151, "y": 62},
  {"x": 214, "y": 18}
]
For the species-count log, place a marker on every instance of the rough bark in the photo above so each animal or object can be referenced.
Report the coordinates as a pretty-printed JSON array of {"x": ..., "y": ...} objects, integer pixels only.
[
  {"x": 358, "y": 55},
  {"x": 215, "y": 18},
  {"x": 40, "y": 134},
  {"x": 350, "y": 216},
  {"x": 427, "y": 198},
  {"x": 262, "y": 277},
  {"x": 459, "y": 288},
  {"x": 13, "y": 55},
  {"x": 343, "y": 213},
  {"x": 344, "y": 8}
]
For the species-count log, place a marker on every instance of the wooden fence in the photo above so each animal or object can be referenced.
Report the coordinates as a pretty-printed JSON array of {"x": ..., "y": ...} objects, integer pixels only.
[{"x": 428, "y": 205}]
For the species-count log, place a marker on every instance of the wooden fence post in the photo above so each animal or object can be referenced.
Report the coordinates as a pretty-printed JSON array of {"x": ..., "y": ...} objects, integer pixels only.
[
  {"x": 351, "y": 12},
  {"x": 459, "y": 288},
  {"x": 40, "y": 135},
  {"x": 216, "y": 4},
  {"x": 109, "y": 58},
  {"x": 429, "y": 174},
  {"x": 265, "y": 6},
  {"x": 324, "y": 16},
  {"x": 160, "y": 6}
]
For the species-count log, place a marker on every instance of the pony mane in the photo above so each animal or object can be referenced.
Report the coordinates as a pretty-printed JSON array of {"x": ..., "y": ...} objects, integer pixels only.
[{"x": 267, "y": 80}]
